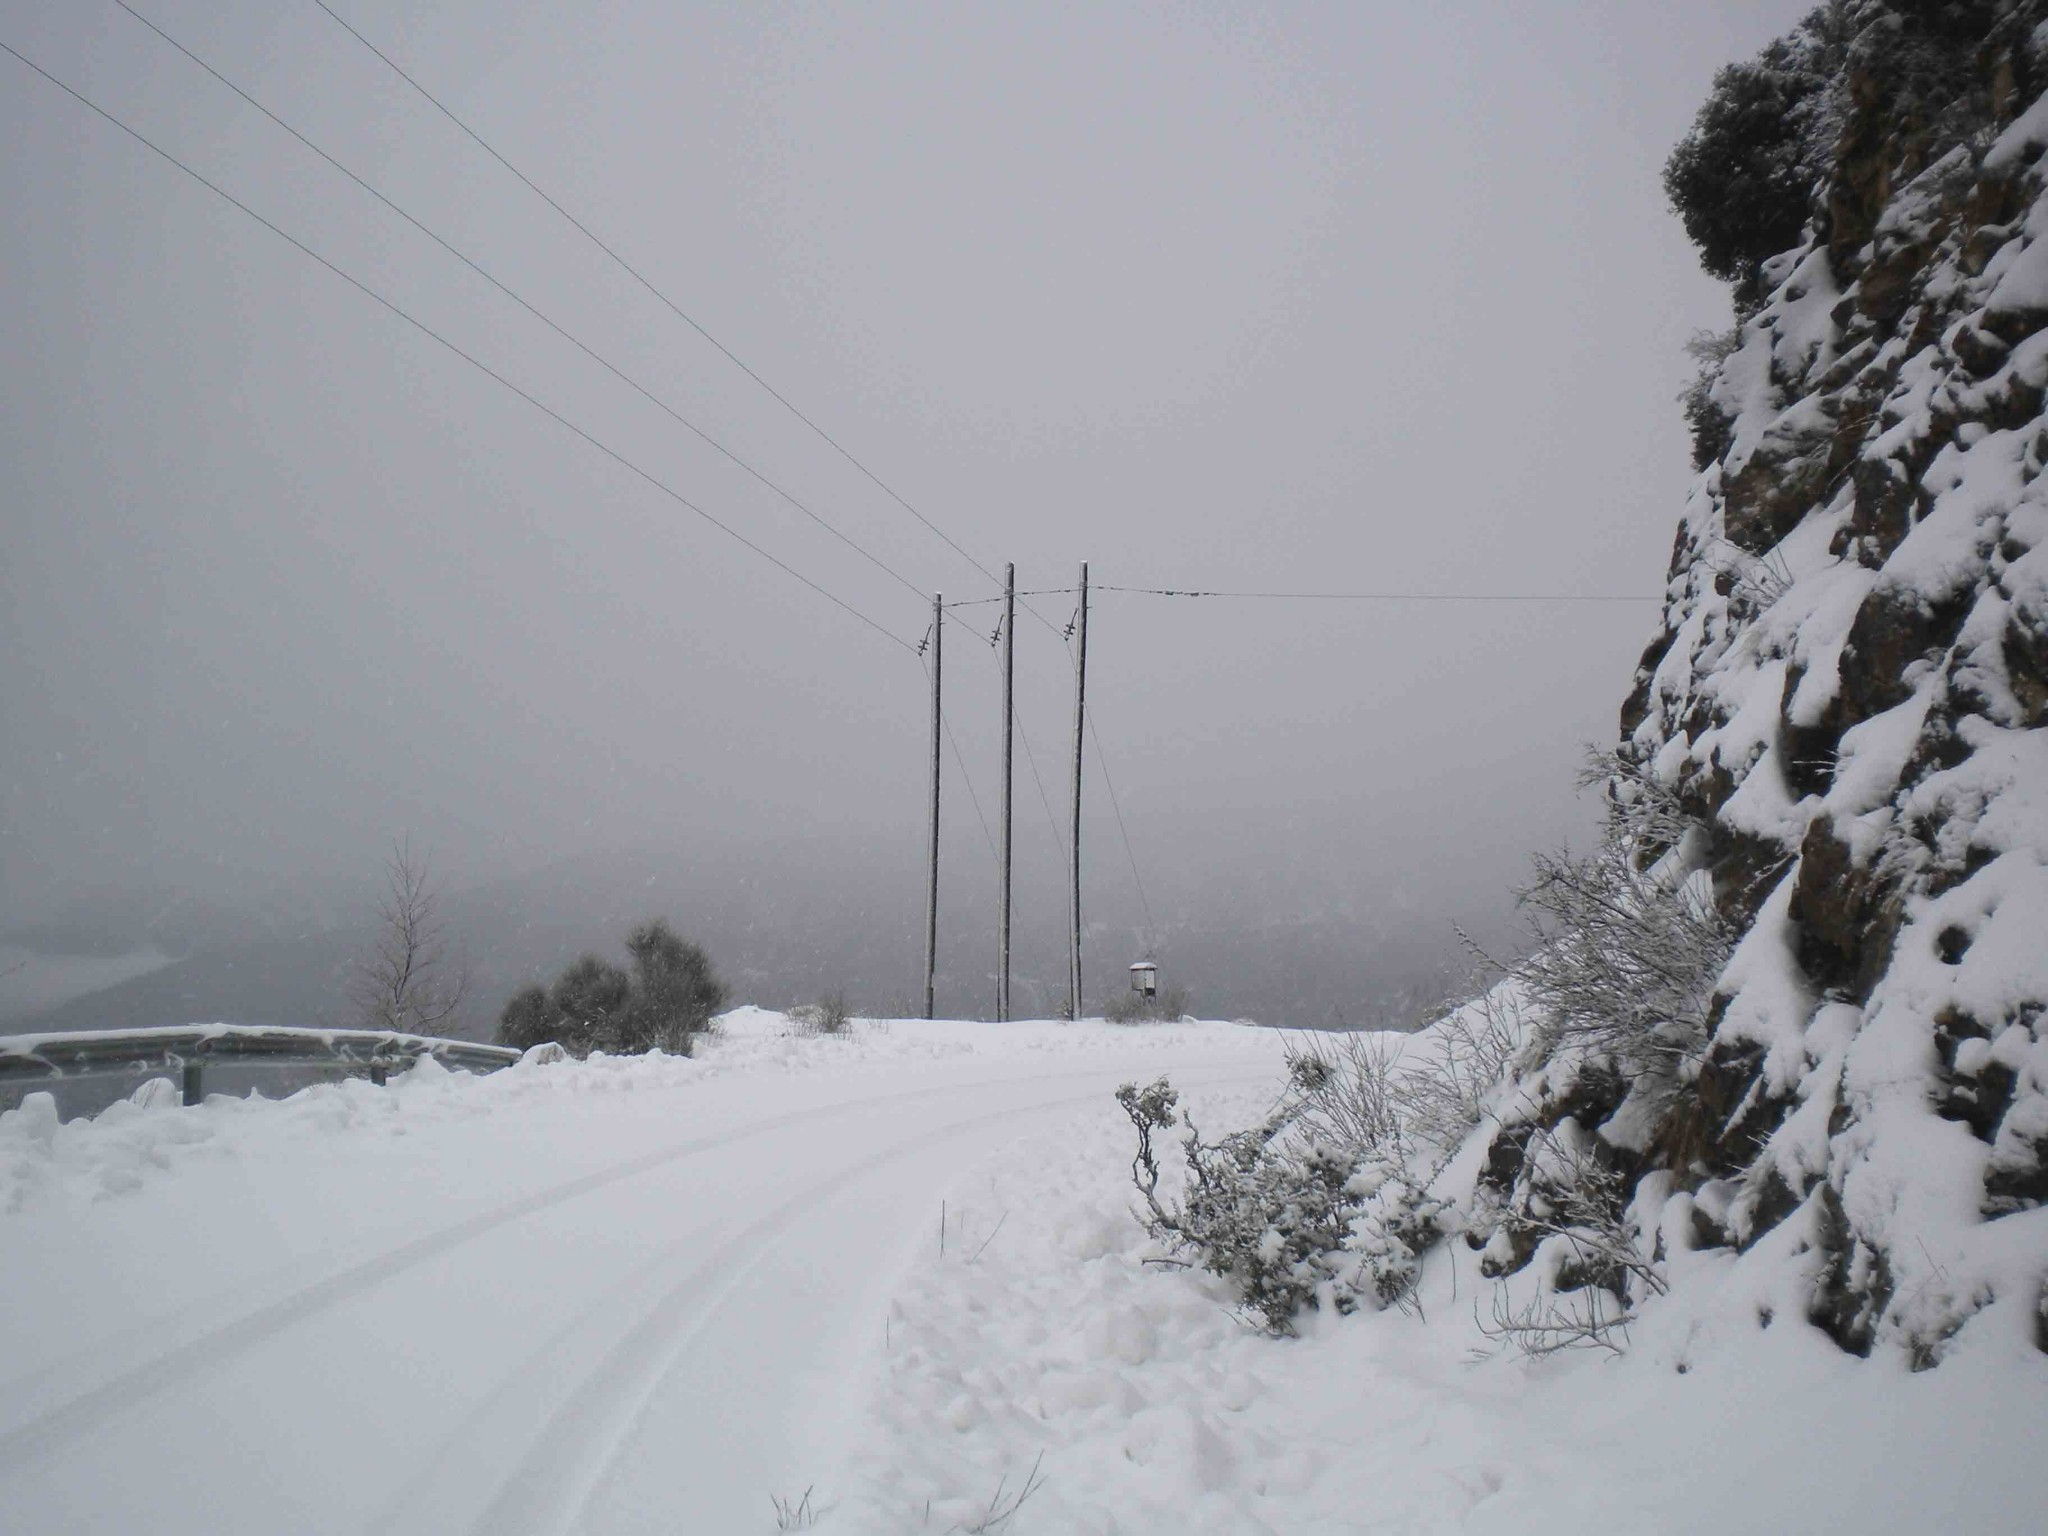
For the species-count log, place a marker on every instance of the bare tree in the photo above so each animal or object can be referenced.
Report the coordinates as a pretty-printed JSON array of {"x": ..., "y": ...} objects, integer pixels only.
[{"x": 408, "y": 982}]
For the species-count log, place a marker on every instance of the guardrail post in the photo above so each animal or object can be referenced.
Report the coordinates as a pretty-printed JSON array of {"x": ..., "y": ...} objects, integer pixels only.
[
  {"x": 193, "y": 1093},
  {"x": 378, "y": 1072}
]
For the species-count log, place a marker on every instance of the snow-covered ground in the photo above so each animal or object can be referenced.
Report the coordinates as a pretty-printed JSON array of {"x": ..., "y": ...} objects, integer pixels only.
[
  {"x": 1156, "y": 1410},
  {"x": 897, "y": 1271}
]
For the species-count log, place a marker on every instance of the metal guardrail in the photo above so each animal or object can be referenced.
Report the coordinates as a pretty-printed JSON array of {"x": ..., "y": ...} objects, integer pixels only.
[{"x": 187, "y": 1049}]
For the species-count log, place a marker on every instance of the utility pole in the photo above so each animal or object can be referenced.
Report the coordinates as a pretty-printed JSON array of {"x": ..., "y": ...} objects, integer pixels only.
[
  {"x": 1009, "y": 728},
  {"x": 931, "y": 898},
  {"x": 1080, "y": 725}
]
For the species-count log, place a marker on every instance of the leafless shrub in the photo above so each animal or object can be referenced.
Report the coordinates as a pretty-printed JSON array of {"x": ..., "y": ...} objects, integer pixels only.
[
  {"x": 1004, "y": 1504},
  {"x": 794, "y": 1514},
  {"x": 408, "y": 982},
  {"x": 1327, "y": 1200},
  {"x": 1380, "y": 1105},
  {"x": 1757, "y": 580},
  {"x": 1444, "y": 1091},
  {"x": 1627, "y": 956},
  {"x": 1557, "y": 1321},
  {"x": 1592, "y": 1270},
  {"x": 827, "y": 1016},
  {"x": 1645, "y": 816},
  {"x": 1580, "y": 1200},
  {"x": 1167, "y": 1007},
  {"x": 1344, "y": 1091}
]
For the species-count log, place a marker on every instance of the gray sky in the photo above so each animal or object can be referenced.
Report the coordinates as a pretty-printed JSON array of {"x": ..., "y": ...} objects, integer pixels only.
[{"x": 1366, "y": 296}]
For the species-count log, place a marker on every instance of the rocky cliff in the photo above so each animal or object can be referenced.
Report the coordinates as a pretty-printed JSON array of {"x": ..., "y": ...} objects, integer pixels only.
[{"x": 1842, "y": 713}]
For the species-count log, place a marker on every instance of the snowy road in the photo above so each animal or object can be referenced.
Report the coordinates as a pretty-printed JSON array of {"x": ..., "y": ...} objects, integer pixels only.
[{"x": 646, "y": 1304}]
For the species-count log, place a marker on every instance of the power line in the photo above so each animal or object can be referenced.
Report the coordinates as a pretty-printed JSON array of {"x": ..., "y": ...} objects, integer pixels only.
[
  {"x": 646, "y": 283},
  {"x": 960, "y": 761},
  {"x": 643, "y": 281},
  {"x": 1345, "y": 597},
  {"x": 986, "y": 639},
  {"x": 474, "y": 362},
  {"x": 1051, "y": 820},
  {"x": 1393, "y": 597},
  {"x": 670, "y": 304},
  {"x": 1102, "y": 762},
  {"x": 530, "y": 308},
  {"x": 982, "y": 602}
]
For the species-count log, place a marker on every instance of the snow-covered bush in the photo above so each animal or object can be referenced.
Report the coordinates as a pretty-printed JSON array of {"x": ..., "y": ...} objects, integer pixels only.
[
  {"x": 1711, "y": 424},
  {"x": 1742, "y": 178},
  {"x": 1627, "y": 941},
  {"x": 1451, "y": 1073},
  {"x": 1590, "y": 1264},
  {"x": 1270, "y": 1220},
  {"x": 1332, "y": 1195},
  {"x": 1627, "y": 958},
  {"x": 1320, "y": 1200},
  {"x": 827, "y": 1016},
  {"x": 663, "y": 1003}
]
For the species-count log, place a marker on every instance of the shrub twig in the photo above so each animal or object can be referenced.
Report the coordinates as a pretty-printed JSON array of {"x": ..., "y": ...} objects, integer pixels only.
[
  {"x": 794, "y": 1514},
  {"x": 1002, "y": 1510}
]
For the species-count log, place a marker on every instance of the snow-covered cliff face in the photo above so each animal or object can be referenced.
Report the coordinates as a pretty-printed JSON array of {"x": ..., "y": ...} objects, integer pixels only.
[{"x": 1848, "y": 696}]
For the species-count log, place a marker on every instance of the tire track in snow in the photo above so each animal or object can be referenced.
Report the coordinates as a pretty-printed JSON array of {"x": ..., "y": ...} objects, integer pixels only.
[
  {"x": 439, "y": 1465},
  {"x": 225, "y": 1342},
  {"x": 574, "y": 1452}
]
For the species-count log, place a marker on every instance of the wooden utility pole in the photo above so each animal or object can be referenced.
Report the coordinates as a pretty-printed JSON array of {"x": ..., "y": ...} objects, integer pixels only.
[
  {"x": 1009, "y": 728},
  {"x": 1080, "y": 727},
  {"x": 931, "y": 895}
]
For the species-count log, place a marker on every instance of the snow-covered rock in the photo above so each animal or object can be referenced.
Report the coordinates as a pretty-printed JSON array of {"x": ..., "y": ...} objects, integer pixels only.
[{"x": 1848, "y": 691}]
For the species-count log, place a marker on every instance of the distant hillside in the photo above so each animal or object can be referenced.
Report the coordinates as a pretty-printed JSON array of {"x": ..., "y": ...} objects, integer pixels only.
[{"x": 788, "y": 922}]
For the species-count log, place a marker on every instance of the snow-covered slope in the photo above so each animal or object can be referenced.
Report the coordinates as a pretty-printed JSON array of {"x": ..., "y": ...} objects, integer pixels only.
[
  {"x": 1847, "y": 697},
  {"x": 1148, "y": 1406}
]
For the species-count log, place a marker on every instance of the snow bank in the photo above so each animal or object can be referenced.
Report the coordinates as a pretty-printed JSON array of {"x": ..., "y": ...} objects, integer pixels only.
[
  {"x": 1041, "y": 1339},
  {"x": 148, "y": 1136}
]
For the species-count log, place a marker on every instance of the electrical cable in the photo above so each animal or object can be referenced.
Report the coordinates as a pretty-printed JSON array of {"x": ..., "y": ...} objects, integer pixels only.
[
  {"x": 987, "y": 835},
  {"x": 473, "y": 361},
  {"x": 1052, "y": 821},
  {"x": 982, "y": 602},
  {"x": 1102, "y": 765},
  {"x": 647, "y": 284},
  {"x": 1392, "y": 597},
  {"x": 530, "y": 308}
]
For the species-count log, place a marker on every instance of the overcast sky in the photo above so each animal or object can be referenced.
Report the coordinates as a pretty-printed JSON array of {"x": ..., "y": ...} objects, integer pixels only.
[{"x": 1337, "y": 297}]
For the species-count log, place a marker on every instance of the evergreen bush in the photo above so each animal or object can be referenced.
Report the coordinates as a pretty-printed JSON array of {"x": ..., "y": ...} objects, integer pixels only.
[
  {"x": 1742, "y": 179},
  {"x": 663, "y": 1002}
]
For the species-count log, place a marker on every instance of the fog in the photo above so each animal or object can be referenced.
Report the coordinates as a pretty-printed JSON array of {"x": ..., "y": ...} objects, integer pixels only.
[{"x": 1357, "y": 298}]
